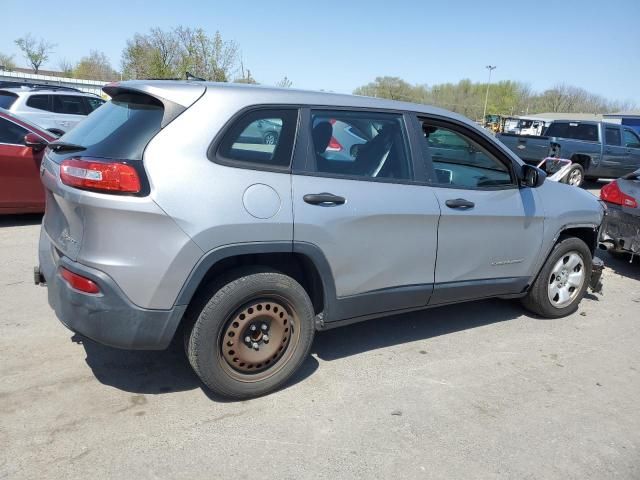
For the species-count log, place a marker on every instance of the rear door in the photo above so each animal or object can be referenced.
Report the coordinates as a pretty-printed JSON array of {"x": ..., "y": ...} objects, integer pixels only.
[
  {"x": 357, "y": 202},
  {"x": 20, "y": 186},
  {"x": 70, "y": 110},
  {"x": 631, "y": 143},
  {"x": 490, "y": 230},
  {"x": 614, "y": 153}
]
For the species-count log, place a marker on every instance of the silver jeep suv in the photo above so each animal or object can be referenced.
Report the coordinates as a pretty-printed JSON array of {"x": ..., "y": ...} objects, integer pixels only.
[{"x": 165, "y": 210}]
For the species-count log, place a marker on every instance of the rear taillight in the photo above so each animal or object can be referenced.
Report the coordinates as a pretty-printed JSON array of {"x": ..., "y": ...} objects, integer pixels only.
[
  {"x": 611, "y": 193},
  {"x": 79, "y": 282},
  {"x": 334, "y": 145},
  {"x": 100, "y": 175}
]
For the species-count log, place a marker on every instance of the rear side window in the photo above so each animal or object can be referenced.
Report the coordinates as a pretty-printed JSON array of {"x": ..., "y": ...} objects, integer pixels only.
[
  {"x": 40, "y": 102},
  {"x": 261, "y": 138},
  {"x": 612, "y": 135},
  {"x": 360, "y": 144},
  {"x": 7, "y": 99},
  {"x": 573, "y": 130},
  {"x": 121, "y": 129},
  {"x": 11, "y": 133},
  {"x": 69, "y": 104}
]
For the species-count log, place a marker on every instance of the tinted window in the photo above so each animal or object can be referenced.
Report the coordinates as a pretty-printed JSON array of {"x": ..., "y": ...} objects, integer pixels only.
[
  {"x": 460, "y": 161},
  {"x": 93, "y": 103},
  {"x": 11, "y": 133},
  {"x": 121, "y": 129},
  {"x": 612, "y": 135},
  {"x": 574, "y": 130},
  {"x": 41, "y": 102},
  {"x": 630, "y": 139},
  {"x": 361, "y": 144},
  {"x": 262, "y": 138},
  {"x": 7, "y": 99},
  {"x": 69, "y": 104}
]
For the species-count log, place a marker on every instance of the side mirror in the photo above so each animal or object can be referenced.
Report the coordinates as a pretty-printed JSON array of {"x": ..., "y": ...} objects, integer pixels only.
[
  {"x": 532, "y": 176},
  {"x": 36, "y": 142}
]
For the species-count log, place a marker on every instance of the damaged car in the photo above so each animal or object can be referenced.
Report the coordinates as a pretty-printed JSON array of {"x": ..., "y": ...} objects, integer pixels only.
[{"x": 621, "y": 228}]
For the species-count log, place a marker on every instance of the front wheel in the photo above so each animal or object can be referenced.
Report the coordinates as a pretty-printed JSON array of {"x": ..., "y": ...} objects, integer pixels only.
[
  {"x": 252, "y": 334},
  {"x": 563, "y": 280}
]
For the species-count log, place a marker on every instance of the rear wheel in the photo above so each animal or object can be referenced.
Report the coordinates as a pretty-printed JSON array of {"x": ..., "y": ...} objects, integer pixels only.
[
  {"x": 563, "y": 280},
  {"x": 575, "y": 175},
  {"x": 252, "y": 334}
]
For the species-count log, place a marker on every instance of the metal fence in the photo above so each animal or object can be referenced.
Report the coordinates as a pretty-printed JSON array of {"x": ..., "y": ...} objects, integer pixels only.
[{"x": 90, "y": 86}]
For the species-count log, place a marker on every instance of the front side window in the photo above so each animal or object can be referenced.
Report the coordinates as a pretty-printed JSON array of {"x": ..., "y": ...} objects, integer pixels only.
[
  {"x": 93, "y": 103},
  {"x": 612, "y": 136},
  {"x": 262, "y": 138},
  {"x": 461, "y": 162},
  {"x": 68, "y": 104},
  {"x": 40, "y": 102},
  {"x": 630, "y": 139},
  {"x": 360, "y": 144},
  {"x": 11, "y": 133}
]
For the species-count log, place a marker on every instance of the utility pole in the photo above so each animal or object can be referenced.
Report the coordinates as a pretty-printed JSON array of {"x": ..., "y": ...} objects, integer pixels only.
[{"x": 491, "y": 68}]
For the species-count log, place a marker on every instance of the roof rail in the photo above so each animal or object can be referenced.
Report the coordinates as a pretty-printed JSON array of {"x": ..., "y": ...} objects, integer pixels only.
[{"x": 54, "y": 87}]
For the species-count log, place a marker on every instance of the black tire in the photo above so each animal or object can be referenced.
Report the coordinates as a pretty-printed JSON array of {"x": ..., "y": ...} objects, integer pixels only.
[
  {"x": 215, "y": 316},
  {"x": 537, "y": 299},
  {"x": 575, "y": 175}
]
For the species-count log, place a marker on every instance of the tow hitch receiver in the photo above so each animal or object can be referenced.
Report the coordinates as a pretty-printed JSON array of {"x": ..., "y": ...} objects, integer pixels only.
[
  {"x": 38, "y": 278},
  {"x": 595, "y": 282}
]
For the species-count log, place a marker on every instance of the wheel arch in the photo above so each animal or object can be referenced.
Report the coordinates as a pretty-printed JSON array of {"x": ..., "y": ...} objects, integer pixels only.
[
  {"x": 304, "y": 262},
  {"x": 582, "y": 159}
]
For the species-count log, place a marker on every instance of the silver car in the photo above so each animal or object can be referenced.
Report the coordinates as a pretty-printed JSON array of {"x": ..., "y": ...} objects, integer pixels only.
[
  {"x": 163, "y": 213},
  {"x": 56, "y": 109}
]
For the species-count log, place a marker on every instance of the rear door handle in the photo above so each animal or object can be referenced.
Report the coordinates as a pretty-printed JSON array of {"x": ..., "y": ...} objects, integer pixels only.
[
  {"x": 459, "y": 203},
  {"x": 323, "y": 199}
]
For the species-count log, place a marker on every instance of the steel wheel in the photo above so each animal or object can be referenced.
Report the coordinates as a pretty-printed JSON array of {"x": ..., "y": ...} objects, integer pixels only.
[
  {"x": 270, "y": 138},
  {"x": 259, "y": 339},
  {"x": 566, "y": 279}
]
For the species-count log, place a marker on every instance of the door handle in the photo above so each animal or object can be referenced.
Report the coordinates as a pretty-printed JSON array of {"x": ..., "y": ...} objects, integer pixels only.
[
  {"x": 459, "y": 203},
  {"x": 323, "y": 199}
]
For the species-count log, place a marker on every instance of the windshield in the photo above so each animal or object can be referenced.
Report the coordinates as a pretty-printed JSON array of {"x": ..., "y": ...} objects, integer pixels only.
[{"x": 119, "y": 129}]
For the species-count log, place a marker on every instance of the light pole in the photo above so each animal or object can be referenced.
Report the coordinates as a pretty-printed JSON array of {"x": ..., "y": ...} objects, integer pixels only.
[{"x": 491, "y": 68}]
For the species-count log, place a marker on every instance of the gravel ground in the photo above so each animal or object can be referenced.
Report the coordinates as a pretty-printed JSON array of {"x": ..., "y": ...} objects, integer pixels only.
[{"x": 479, "y": 390}]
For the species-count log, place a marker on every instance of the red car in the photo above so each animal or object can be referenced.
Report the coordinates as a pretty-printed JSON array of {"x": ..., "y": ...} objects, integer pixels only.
[{"x": 22, "y": 146}]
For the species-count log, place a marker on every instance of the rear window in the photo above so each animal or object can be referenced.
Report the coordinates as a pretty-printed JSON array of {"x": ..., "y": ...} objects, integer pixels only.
[
  {"x": 120, "y": 129},
  {"x": 7, "y": 99},
  {"x": 573, "y": 130}
]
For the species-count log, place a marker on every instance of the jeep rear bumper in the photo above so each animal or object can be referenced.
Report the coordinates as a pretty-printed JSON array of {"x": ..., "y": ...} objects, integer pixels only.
[{"x": 108, "y": 317}]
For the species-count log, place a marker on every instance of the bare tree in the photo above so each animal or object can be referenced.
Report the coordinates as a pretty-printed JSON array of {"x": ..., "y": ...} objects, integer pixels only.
[
  {"x": 284, "y": 83},
  {"x": 66, "y": 67},
  {"x": 35, "y": 51},
  {"x": 6, "y": 62}
]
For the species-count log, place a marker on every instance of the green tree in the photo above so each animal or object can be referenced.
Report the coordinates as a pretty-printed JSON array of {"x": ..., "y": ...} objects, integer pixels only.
[
  {"x": 35, "y": 51},
  {"x": 95, "y": 66},
  {"x": 171, "y": 53},
  {"x": 6, "y": 62}
]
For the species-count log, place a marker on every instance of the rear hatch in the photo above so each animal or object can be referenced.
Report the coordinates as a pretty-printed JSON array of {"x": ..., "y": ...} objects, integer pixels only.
[{"x": 116, "y": 134}]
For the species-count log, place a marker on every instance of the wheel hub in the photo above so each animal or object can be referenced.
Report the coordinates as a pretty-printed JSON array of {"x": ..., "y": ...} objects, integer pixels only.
[{"x": 257, "y": 336}]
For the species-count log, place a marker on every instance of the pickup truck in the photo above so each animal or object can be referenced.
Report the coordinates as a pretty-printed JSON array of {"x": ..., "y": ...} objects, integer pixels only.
[{"x": 597, "y": 149}]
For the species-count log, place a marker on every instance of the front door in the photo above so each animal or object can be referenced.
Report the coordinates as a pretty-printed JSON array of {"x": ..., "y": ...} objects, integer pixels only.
[
  {"x": 358, "y": 203},
  {"x": 614, "y": 154},
  {"x": 490, "y": 230},
  {"x": 20, "y": 185},
  {"x": 631, "y": 141}
]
